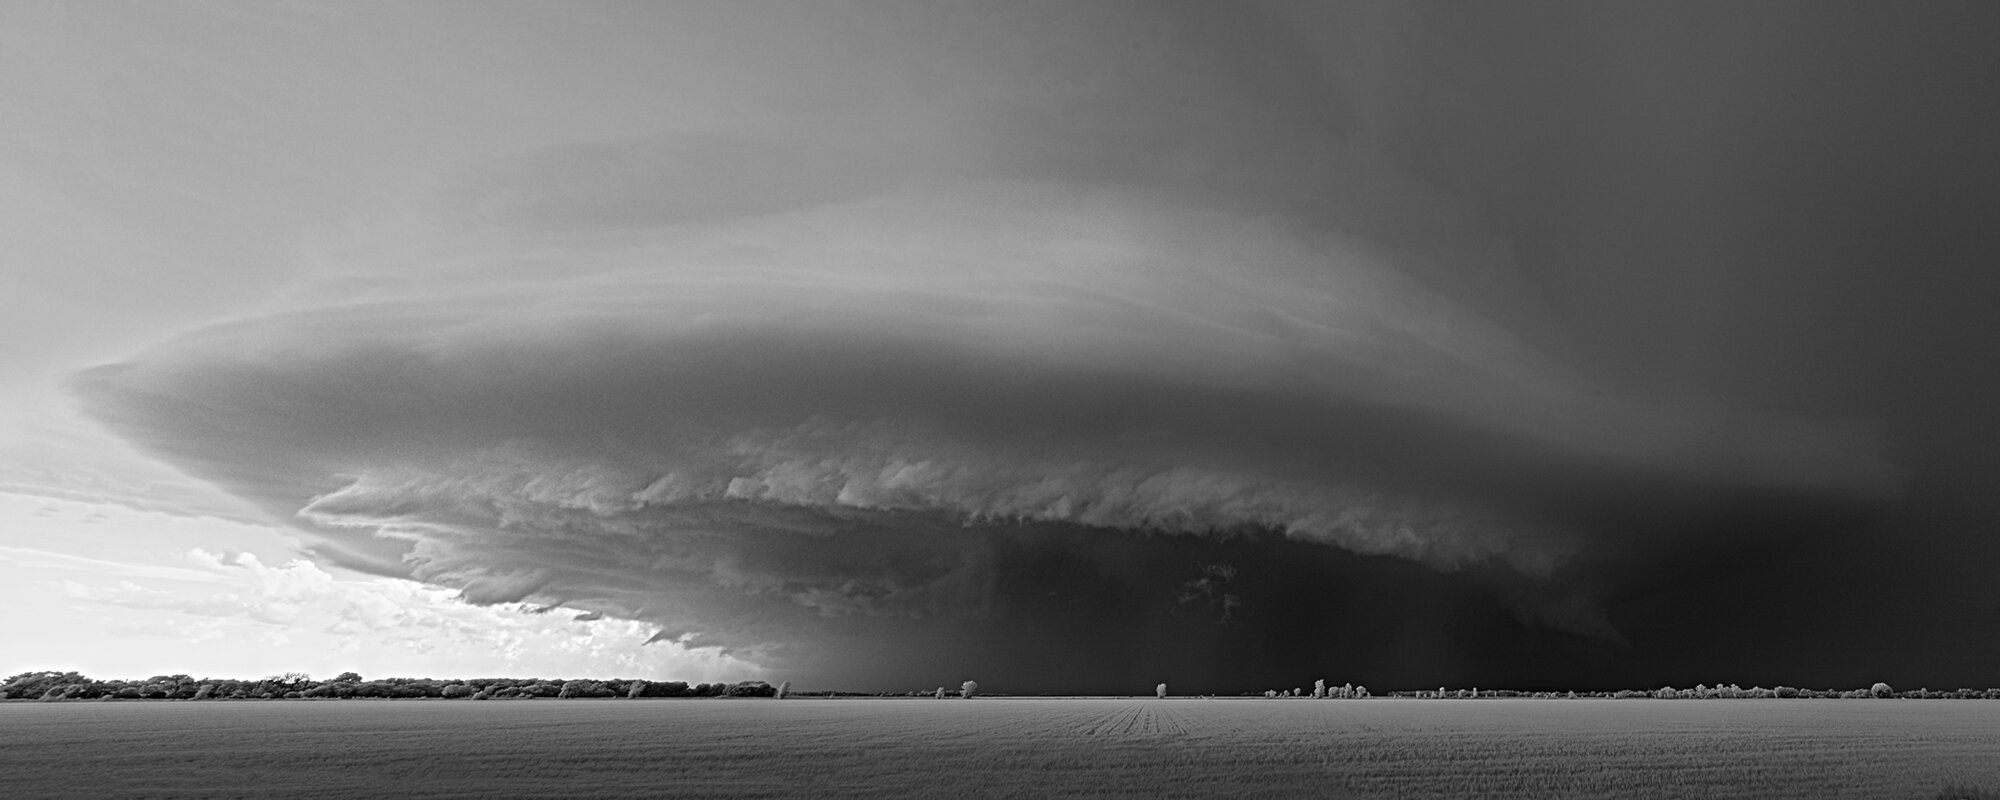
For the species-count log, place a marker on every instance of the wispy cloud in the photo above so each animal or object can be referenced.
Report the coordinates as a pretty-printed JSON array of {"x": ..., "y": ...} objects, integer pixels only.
[{"x": 30, "y": 558}]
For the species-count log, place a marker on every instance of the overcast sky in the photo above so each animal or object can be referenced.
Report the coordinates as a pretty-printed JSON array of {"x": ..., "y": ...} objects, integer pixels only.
[{"x": 1067, "y": 347}]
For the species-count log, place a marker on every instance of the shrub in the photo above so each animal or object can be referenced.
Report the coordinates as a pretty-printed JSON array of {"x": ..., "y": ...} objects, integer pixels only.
[
  {"x": 37, "y": 684},
  {"x": 1160, "y": 691},
  {"x": 968, "y": 689},
  {"x": 583, "y": 689},
  {"x": 456, "y": 690}
]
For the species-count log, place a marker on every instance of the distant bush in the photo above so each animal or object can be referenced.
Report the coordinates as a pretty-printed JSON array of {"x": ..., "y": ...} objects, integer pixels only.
[
  {"x": 660, "y": 689},
  {"x": 752, "y": 689},
  {"x": 784, "y": 689},
  {"x": 457, "y": 690},
  {"x": 968, "y": 689},
  {"x": 583, "y": 689},
  {"x": 35, "y": 685},
  {"x": 1160, "y": 691},
  {"x": 1881, "y": 690}
]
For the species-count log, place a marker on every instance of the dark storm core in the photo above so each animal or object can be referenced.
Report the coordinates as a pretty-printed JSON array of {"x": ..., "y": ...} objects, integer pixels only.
[{"x": 1105, "y": 611}]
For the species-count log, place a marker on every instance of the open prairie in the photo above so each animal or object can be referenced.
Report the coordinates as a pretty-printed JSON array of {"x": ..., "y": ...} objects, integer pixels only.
[{"x": 1000, "y": 747}]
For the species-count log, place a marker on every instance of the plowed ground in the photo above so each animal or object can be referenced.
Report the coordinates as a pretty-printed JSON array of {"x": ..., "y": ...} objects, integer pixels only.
[{"x": 1001, "y": 747}]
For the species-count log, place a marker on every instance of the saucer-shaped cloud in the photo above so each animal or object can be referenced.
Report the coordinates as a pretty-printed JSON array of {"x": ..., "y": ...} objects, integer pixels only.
[
  {"x": 890, "y": 380},
  {"x": 744, "y": 430}
]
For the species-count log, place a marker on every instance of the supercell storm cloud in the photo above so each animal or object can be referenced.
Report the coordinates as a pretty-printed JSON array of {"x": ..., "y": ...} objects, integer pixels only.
[{"x": 976, "y": 371}]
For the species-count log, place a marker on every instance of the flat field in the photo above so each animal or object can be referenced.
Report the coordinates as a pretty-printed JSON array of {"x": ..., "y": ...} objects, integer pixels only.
[{"x": 999, "y": 747}]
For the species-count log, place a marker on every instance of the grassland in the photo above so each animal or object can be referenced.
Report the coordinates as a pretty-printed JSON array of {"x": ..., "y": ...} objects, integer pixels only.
[{"x": 1000, "y": 747}]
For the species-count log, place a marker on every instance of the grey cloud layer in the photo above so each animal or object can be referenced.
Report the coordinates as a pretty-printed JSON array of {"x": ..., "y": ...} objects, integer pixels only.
[
  {"x": 654, "y": 427},
  {"x": 777, "y": 390}
]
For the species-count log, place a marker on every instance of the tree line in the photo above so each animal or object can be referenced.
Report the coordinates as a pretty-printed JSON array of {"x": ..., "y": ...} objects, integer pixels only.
[
  {"x": 49, "y": 685},
  {"x": 1719, "y": 692}
]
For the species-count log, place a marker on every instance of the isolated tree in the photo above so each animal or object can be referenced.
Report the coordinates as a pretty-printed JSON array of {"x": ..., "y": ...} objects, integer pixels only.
[
  {"x": 1319, "y": 688},
  {"x": 968, "y": 689},
  {"x": 1160, "y": 691},
  {"x": 1881, "y": 690}
]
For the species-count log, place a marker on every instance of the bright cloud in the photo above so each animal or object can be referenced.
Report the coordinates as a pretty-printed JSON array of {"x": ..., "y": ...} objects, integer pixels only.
[{"x": 231, "y": 614}]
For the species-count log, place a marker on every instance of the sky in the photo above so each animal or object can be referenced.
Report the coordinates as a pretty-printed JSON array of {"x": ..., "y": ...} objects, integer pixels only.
[{"x": 1065, "y": 347}]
